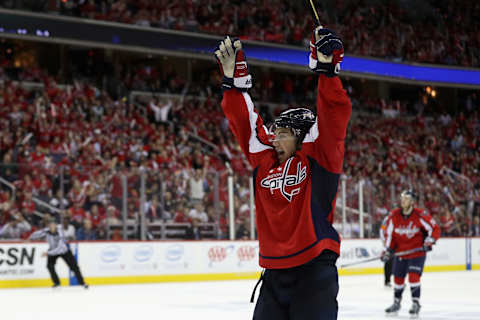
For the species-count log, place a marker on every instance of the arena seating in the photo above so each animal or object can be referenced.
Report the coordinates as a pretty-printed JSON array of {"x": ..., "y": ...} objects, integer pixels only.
[
  {"x": 83, "y": 139},
  {"x": 440, "y": 32}
]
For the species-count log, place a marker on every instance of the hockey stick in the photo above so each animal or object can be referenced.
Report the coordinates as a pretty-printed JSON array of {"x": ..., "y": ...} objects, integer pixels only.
[
  {"x": 397, "y": 254},
  {"x": 315, "y": 12}
]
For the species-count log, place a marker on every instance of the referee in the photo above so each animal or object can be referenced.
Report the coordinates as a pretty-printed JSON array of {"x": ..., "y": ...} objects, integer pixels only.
[
  {"x": 387, "y": 268},
  {"x": 58, "y": 247}
]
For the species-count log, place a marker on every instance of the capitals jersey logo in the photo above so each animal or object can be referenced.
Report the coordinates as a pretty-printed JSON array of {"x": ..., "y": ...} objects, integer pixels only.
[
  {"x": 408, "y": 231},
  {"x": 282, "y": 180}
]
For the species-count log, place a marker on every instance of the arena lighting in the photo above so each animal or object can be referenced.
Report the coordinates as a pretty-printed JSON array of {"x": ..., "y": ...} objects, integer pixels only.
[
  {"x": 105, "y": 33},
  {"x": 372, "y": 66},
  {"x": 433, "y": 93}
]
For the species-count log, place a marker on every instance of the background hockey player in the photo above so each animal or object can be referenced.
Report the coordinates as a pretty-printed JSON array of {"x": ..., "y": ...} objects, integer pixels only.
[
  {"x": 409, "y": 228},
  {"x": 297, "y": 165}
]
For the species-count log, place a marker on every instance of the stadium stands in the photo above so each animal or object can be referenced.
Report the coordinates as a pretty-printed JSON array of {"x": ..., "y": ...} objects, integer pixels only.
[
  {"x": 440, "y": 32},
  {"x": 79, "y": 140}
]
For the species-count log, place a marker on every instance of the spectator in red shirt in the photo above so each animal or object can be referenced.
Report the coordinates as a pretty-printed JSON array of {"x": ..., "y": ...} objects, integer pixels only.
[{"x": 77, "y": 214}]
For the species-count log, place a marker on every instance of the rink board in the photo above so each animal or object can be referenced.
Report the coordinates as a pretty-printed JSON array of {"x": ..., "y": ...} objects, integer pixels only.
[{"x": 22, "y": 264}]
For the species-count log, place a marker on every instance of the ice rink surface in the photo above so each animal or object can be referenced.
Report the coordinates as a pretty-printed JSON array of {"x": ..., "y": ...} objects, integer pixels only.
[{"x": 445, "y": 296}]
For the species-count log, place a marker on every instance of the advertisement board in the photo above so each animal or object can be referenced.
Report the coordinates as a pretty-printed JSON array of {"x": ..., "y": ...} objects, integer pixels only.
[
  {"x": 24, "y": 261},
  {"x": 164, "y": 258},
  {"x": 105, "y": 262}
]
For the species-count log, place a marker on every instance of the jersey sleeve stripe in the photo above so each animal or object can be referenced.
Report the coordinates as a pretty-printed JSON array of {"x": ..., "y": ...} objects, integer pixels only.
[
  {"x": 389, "y": 234},
  {"x": 255, "y": 144},
  {"x": 312, "y": 134},
  {"x": 427, "y": 227}
]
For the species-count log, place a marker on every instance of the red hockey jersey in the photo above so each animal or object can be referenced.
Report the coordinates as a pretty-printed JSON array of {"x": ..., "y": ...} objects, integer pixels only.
[
  {"x": 408, "y": 232},
  {"x": 294, "y": 200}
]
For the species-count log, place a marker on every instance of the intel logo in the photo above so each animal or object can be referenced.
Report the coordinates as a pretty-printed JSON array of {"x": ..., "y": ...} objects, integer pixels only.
[
  {"x": 111, "y": 254},
  {"x": 143, "y": 253},
  {"x": 174, "y": 252}
]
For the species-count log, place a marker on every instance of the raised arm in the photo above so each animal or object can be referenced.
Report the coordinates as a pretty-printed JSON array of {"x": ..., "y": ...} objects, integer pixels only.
[
  {"x": 244, "y": 121},
  {"x": 39, "y": 234},
  {"x": 246, "y": 124},
  {"x": 333, "y": 105}
]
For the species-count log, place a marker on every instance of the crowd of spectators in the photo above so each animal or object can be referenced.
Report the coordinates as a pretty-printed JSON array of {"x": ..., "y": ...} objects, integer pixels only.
[
  {"x": 441, "y": 32},
  {"x": 70, "y": 146},
  {"x": 437, "y": 155},
  {"x": 78, "y": 142}
]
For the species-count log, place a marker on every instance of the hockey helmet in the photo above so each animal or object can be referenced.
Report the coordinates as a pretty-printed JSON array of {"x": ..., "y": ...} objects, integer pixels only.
[
  {"x": 410, "y": 193},
  {"x": 299, "y": 120}
]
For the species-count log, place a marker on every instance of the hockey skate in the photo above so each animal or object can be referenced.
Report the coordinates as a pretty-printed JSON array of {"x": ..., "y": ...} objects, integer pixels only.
[
  {"x": 414, "y": 310},
  {"x": 393, "y": 309}
]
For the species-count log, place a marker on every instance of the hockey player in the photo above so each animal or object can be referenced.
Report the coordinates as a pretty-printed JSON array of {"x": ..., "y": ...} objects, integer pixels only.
[
  {"x": 409, "y": 228},
  {"x": 297, "y": 165}
]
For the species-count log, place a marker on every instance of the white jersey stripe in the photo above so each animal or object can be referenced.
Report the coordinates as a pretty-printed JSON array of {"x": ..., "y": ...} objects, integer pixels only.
[
  {"x": 389, "y": 234},
  {"x": 254, "y": 144},
  {"x": 427, "y": 227},
  {"x": 312, "y": 134}
]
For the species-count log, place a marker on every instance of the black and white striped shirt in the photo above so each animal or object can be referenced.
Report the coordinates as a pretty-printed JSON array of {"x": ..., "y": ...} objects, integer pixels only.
[{"x": 56, "y": 241}]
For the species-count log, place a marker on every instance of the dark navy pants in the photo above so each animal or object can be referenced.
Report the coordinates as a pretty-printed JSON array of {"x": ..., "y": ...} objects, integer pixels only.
[
  {"x": 305, "y": 292},
  {"x": 403, "y": 266}
]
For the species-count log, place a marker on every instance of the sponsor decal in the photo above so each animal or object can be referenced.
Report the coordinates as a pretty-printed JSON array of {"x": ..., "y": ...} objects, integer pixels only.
[
  {"x": 174, "y": 252},
  {"x": 283, "y": 180},
  {"x": 111, "y": 253},
  {"x": 16, "y": 256},
  {"x": 360, "y": 253},
  {"x": 143, "y": 253},
  {"x": 217, "y": 254},
  {"x": 246, "y": 254},
  {"x": 17, "y": 260}
]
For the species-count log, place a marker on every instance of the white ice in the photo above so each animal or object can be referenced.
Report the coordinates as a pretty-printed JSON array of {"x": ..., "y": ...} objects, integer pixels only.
[{"x": 445, "y": 296}]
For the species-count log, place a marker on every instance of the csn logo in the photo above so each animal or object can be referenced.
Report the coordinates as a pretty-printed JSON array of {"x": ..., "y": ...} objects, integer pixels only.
[
  {"x": 110, "y": 254},
  {"x": 174, "y": 252},
  {"x": 17, "y": 256},
  {"x": 143, "y": 253}
]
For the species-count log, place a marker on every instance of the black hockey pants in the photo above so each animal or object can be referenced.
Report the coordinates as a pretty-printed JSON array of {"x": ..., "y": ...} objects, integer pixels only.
[{"x": 306, "y": 292}]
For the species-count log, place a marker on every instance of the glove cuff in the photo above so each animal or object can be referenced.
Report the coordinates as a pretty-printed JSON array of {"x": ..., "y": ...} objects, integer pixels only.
[
  {"x": 241, "y": 83},
  {"x": 227, "y": 83},
  {"x": 327, "y": 69}
]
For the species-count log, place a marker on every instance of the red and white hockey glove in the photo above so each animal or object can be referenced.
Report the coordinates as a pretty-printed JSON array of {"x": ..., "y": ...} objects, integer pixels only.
[
  {"x": 233, "y": 65},
  {"x": 326, "y": 52}
]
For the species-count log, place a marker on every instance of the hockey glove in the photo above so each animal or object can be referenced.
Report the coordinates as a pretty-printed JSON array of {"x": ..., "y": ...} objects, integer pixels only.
[
  {"x": 233, "y": 65},
  {"x": 326, "y": 52},
  {"x": 428, "y": 243},
  {"x": 386, "y": 255}
]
